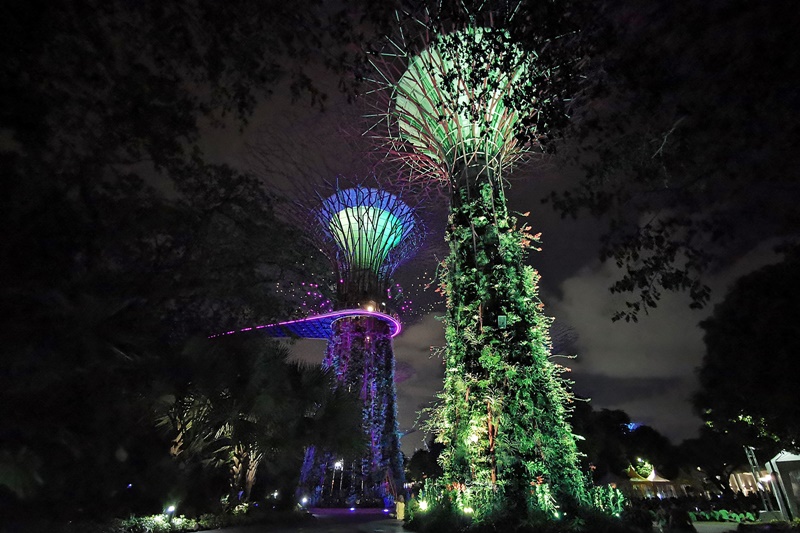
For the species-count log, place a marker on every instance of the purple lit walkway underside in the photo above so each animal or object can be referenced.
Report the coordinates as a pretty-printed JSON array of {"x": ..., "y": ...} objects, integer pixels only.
[{"x": 316, "y": 327}]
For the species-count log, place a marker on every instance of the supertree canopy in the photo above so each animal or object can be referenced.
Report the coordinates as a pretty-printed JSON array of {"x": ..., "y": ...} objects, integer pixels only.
[
  {"x": 469, "y": 97},
  {"x": 457, "y": 111},
  {"x": 366, "y": 233},
  {"x": 453, "y": 109}
]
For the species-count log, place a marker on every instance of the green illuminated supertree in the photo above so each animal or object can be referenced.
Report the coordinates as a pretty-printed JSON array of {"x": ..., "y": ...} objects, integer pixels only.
[{"x": 463, "y": 108}]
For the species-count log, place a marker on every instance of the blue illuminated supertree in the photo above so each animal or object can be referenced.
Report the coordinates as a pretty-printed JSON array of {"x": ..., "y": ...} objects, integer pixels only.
[{"x": 366, "y": 233}]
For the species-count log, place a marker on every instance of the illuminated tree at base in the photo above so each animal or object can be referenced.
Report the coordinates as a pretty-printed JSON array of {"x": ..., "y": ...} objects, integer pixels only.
[{"x": 457, "y": 111}]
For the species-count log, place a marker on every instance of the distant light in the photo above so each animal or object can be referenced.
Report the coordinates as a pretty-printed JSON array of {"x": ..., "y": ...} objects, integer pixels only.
[
  {"x": 386, "y": 510},
  {"x": 423, "y": 505},
  {"x": 171, "y": 509},
  {"x": 304, "y": 501},
  {"x": 130, "y": 485},
  {"x": 338, "y": 465},
  {"x": 352, "y": 509},
  {"x": 468, "y": 510}
]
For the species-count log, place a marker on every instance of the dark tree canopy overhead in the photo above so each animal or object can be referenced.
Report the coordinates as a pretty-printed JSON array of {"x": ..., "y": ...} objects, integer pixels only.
[
  {"x": 748, "y": 378},
  {"x": 121, "y": 241},
  {"x": 99, "y": 87},
  {"x": 105, "y": 182},
  {"x": 685, "y": 134}
]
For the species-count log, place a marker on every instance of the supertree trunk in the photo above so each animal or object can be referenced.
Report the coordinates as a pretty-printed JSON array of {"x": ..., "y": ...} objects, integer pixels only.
[
  {"x": 504, "y": 410},
  {"x": 361, "y": 357}
]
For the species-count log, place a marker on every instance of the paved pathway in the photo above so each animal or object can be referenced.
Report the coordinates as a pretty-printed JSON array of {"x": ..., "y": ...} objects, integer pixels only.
[
  {"x": 715, "y": 527},
  {"x": 375, "y": 521},
  {"x": 330, "y": 521}
]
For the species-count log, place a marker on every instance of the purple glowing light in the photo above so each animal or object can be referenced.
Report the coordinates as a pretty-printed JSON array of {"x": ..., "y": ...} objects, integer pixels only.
[{"x": 318, "y": 326}]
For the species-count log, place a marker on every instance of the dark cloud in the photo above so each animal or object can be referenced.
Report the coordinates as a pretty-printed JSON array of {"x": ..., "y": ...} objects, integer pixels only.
[
  {"x": 417, "y": 347},
  {"x": 646, "y": 369},
  {"x": 610, "y": 390},
  {"x": 403, "y": 371}
]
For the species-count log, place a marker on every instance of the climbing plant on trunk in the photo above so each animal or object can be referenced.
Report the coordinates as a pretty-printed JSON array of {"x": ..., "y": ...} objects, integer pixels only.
[{"x": 504, "y": 406}]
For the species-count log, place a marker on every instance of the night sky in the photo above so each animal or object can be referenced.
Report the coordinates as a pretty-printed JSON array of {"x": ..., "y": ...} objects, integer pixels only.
[{"x": 646, "y": 369}]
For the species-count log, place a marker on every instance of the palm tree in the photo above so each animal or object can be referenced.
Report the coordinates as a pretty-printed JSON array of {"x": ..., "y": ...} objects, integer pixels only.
[{"x": 244, "y": 403}]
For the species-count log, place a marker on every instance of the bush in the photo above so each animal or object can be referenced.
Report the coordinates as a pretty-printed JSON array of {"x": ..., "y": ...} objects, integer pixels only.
[
  {"x": 638, "y": 517},
  {"x": 449, "y": 519},
  {"x": 161, "y": 523},
  {"x": 722, "y": 515}
]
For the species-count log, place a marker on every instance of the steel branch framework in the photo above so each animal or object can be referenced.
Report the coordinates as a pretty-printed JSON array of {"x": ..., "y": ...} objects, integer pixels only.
[
  {"x": 461, "y": 101},
  {"x": 366, "y": 233}
]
